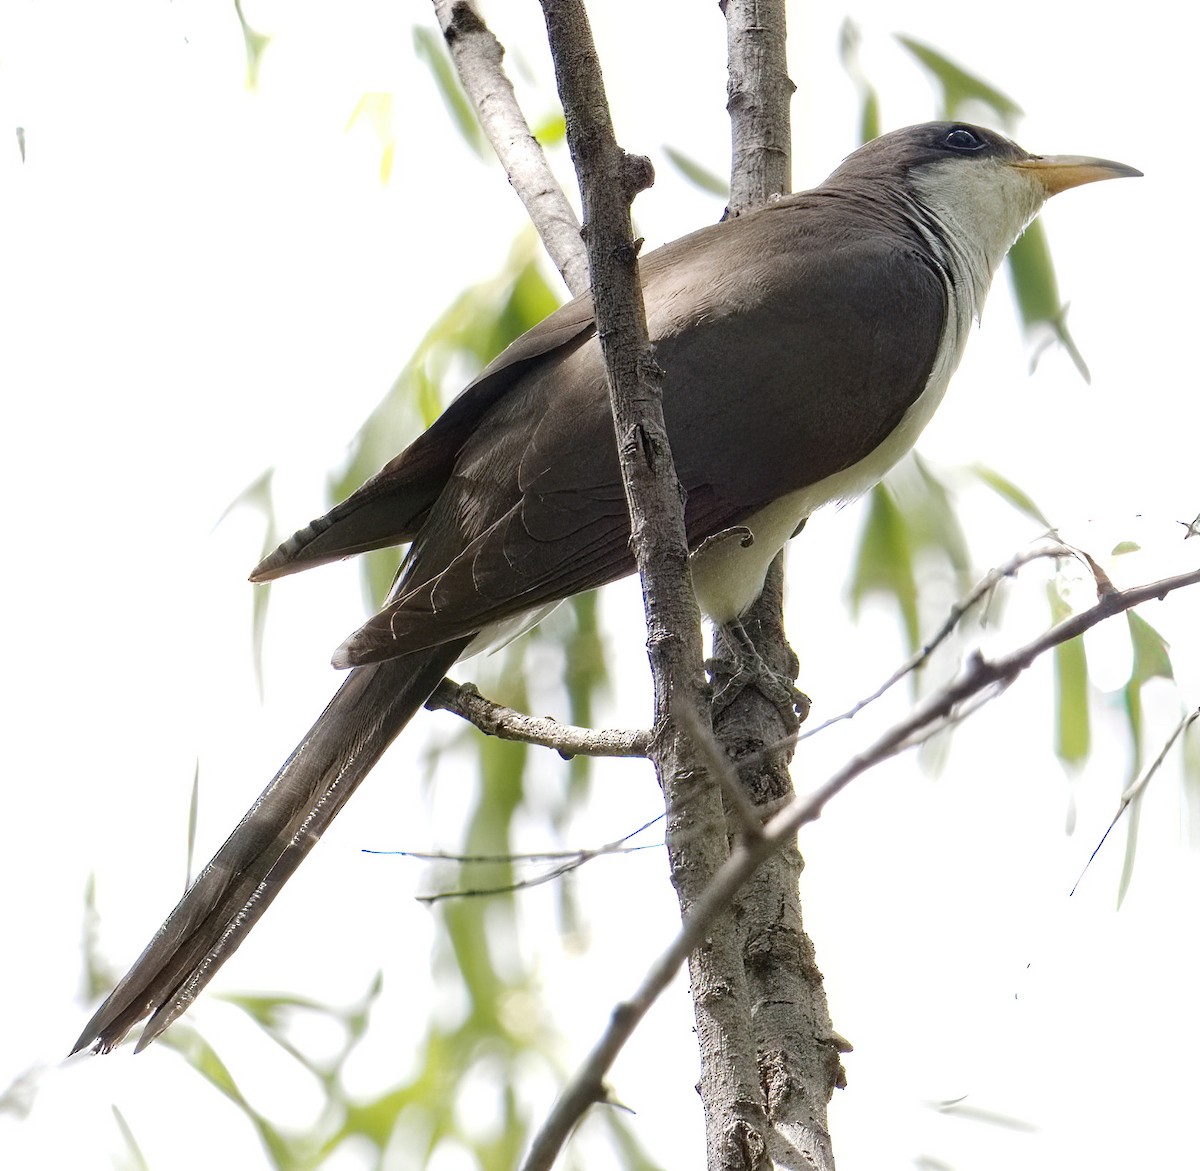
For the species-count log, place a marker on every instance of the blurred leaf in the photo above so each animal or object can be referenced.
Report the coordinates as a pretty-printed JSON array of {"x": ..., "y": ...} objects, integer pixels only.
[
  {"x": 551, "y": 130},
  {"x": 630, "y": 1153},
  {"x": 696, "y": 174},
  {"x": 1126, "y": 547},
  {"x": 931, "y": 515},
  {"x": 1151, "y": 660},
  {"x": 959, "y": 87},
  {"x": 376, "y": 110},
  {"x": 202, "y": 1057},
  {"x": 1072, "y": 722},
  {"x": 1035, "y": 287},
  {"x": 1029, "y": 264},
  {"x": 269, "y": 1011},
  {"x": 193, "y": 822},
  {"x": 134, "y": 1159},
  {"x": 1007, "y": 490},
  {"x": 1191, "y": 781},
  {"x": 911, "y": 530},
  {"x": 883, "y": 563},
  {"x": 1151, "y": 653},
  {"x": 431, "y": 48},
  {"x": 476, "y": 327},
  {"x": 99, "y": 979},
  {"x": 849, "y": 40},
  {"x": 256, "y": 45},
  {"x": 258, "y": 497},
  {"x": 1133, "y": 821},
  {"x": 17, "y": 1098},
  {"x": 585, "y": 674}
]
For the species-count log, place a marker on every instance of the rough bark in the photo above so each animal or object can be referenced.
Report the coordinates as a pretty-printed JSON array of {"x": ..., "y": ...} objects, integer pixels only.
[
  {"x": 798, "y": 1050},
  {"x": 696, "y": 834},
  {"x": 478, "y": 58}
]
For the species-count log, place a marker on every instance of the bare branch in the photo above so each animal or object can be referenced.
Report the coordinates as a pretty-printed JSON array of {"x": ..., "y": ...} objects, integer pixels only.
[
  {"x": 565, "y": 861},
  {"x": 696, "y": 836},
  {"x": 1137, "y": 789},
  {"x": 760, "y": 95},
  {"x": 799, "y": 1065},
  {"x": 506, "y": 723},
  {"x": 478, "y": 57},
  {"x": 981, "y": 679},
  {"x": 982, "y": 588}
]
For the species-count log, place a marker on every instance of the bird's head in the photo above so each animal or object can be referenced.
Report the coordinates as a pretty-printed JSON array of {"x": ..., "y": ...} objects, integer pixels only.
[{"x": 980, "y": 188}]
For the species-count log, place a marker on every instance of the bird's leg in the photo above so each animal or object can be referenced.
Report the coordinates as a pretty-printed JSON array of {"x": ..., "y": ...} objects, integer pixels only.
[{"x": 747, "y": 668}]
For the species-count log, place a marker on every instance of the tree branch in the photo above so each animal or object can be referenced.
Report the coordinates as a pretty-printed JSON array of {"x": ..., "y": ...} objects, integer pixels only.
[
  {"x": 798, "y": 1053},
  {"x": 478, "y": 57},
  {"x": 1135, "y": 791},
  {"x": 981, "y": 681},
  {"x": 759, "y": 105},
  {"x": 506, "y": 723},
  {"x": 695, "y": 834},
  {"x": 982, "y": 588}
]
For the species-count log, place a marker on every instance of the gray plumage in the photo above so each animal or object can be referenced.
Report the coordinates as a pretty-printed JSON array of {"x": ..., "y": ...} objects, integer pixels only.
[{"x": 804, "y": 346}]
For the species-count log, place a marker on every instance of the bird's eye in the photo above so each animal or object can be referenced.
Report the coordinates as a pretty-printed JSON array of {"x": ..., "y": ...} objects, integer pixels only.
[{"x": 961, "y": 138}]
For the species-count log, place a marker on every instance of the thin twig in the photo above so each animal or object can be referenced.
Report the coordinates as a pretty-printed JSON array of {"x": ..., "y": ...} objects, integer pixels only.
[
  {"x": 616, "y": 847},
  {"x": 982, "y": 588},
  {"x": 981, "y": 678},
  {"x": 1136, "y": 789},
  {"x": 505, "y": 723},
  {"x": 478, "y": 57},
  {"x": 569, "y": 861},
  {"x": 609, "y": 178}
]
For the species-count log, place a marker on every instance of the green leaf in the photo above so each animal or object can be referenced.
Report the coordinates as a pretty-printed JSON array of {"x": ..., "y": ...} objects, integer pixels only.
[
  {"x": 134, "y": 1159},
  {"x": 931, "y": 515},
  {"x": 99, "y": 977},
  {"x": 1072, "y": 718},
  {"x": 696, "y": 174},
  {"x": 430, "y": 47},
  {"x": 1035, "y": 288},
  {"x": 1191, "y": 781},
  {"x": 551, "y": 130},
  {"x": 911, "y": 521},
  {"x": 476, "y": 327},
  {"x": 1151, "y": 652},
  {"x": 849, "y": 40},
  {"x": 193, "y": 822},
  {"x": 1151, "y": 660},
  {"x": 884, "y": 563},
  {"x": 258, "y": 496},
  {"x": 1008, "y": 491},
  {"x": 1133, "y": 821},
  {"x": 256, "y": 45},
  {"x": 959, "y": 87},
  {"x": 376, "y": 110}
]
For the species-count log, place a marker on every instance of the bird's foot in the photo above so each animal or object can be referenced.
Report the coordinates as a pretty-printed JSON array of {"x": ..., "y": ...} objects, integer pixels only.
[{"x": 747, "y": 668}]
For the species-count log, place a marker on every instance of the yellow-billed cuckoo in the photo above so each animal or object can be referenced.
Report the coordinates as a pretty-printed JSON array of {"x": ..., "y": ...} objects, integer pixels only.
[{"x": 805, "y": 345}]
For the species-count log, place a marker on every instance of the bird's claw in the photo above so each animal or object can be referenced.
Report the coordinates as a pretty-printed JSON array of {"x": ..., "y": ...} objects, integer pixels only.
[{"x": 749, "y": 669}]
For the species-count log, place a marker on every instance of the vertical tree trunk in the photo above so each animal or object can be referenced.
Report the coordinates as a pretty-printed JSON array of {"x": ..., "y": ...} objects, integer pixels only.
[{"x": 798, "y": 1050}]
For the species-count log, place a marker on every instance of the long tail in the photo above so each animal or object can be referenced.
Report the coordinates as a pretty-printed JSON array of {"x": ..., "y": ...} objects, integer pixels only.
[{"x": 271, "y": 840}]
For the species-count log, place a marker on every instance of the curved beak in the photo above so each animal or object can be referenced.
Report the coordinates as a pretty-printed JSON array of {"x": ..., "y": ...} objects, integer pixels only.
[{"x": 1056, "y": 173}]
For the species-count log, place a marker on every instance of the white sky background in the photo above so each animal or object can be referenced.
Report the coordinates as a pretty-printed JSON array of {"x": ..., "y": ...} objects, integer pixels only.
[{"x": 198, "y": 282}]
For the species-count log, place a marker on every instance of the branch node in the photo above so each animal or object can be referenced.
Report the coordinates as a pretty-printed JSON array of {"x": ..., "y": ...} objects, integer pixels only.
[
  {"x": 637, "y": 175},
  {"x": 464, "y": 20}
]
